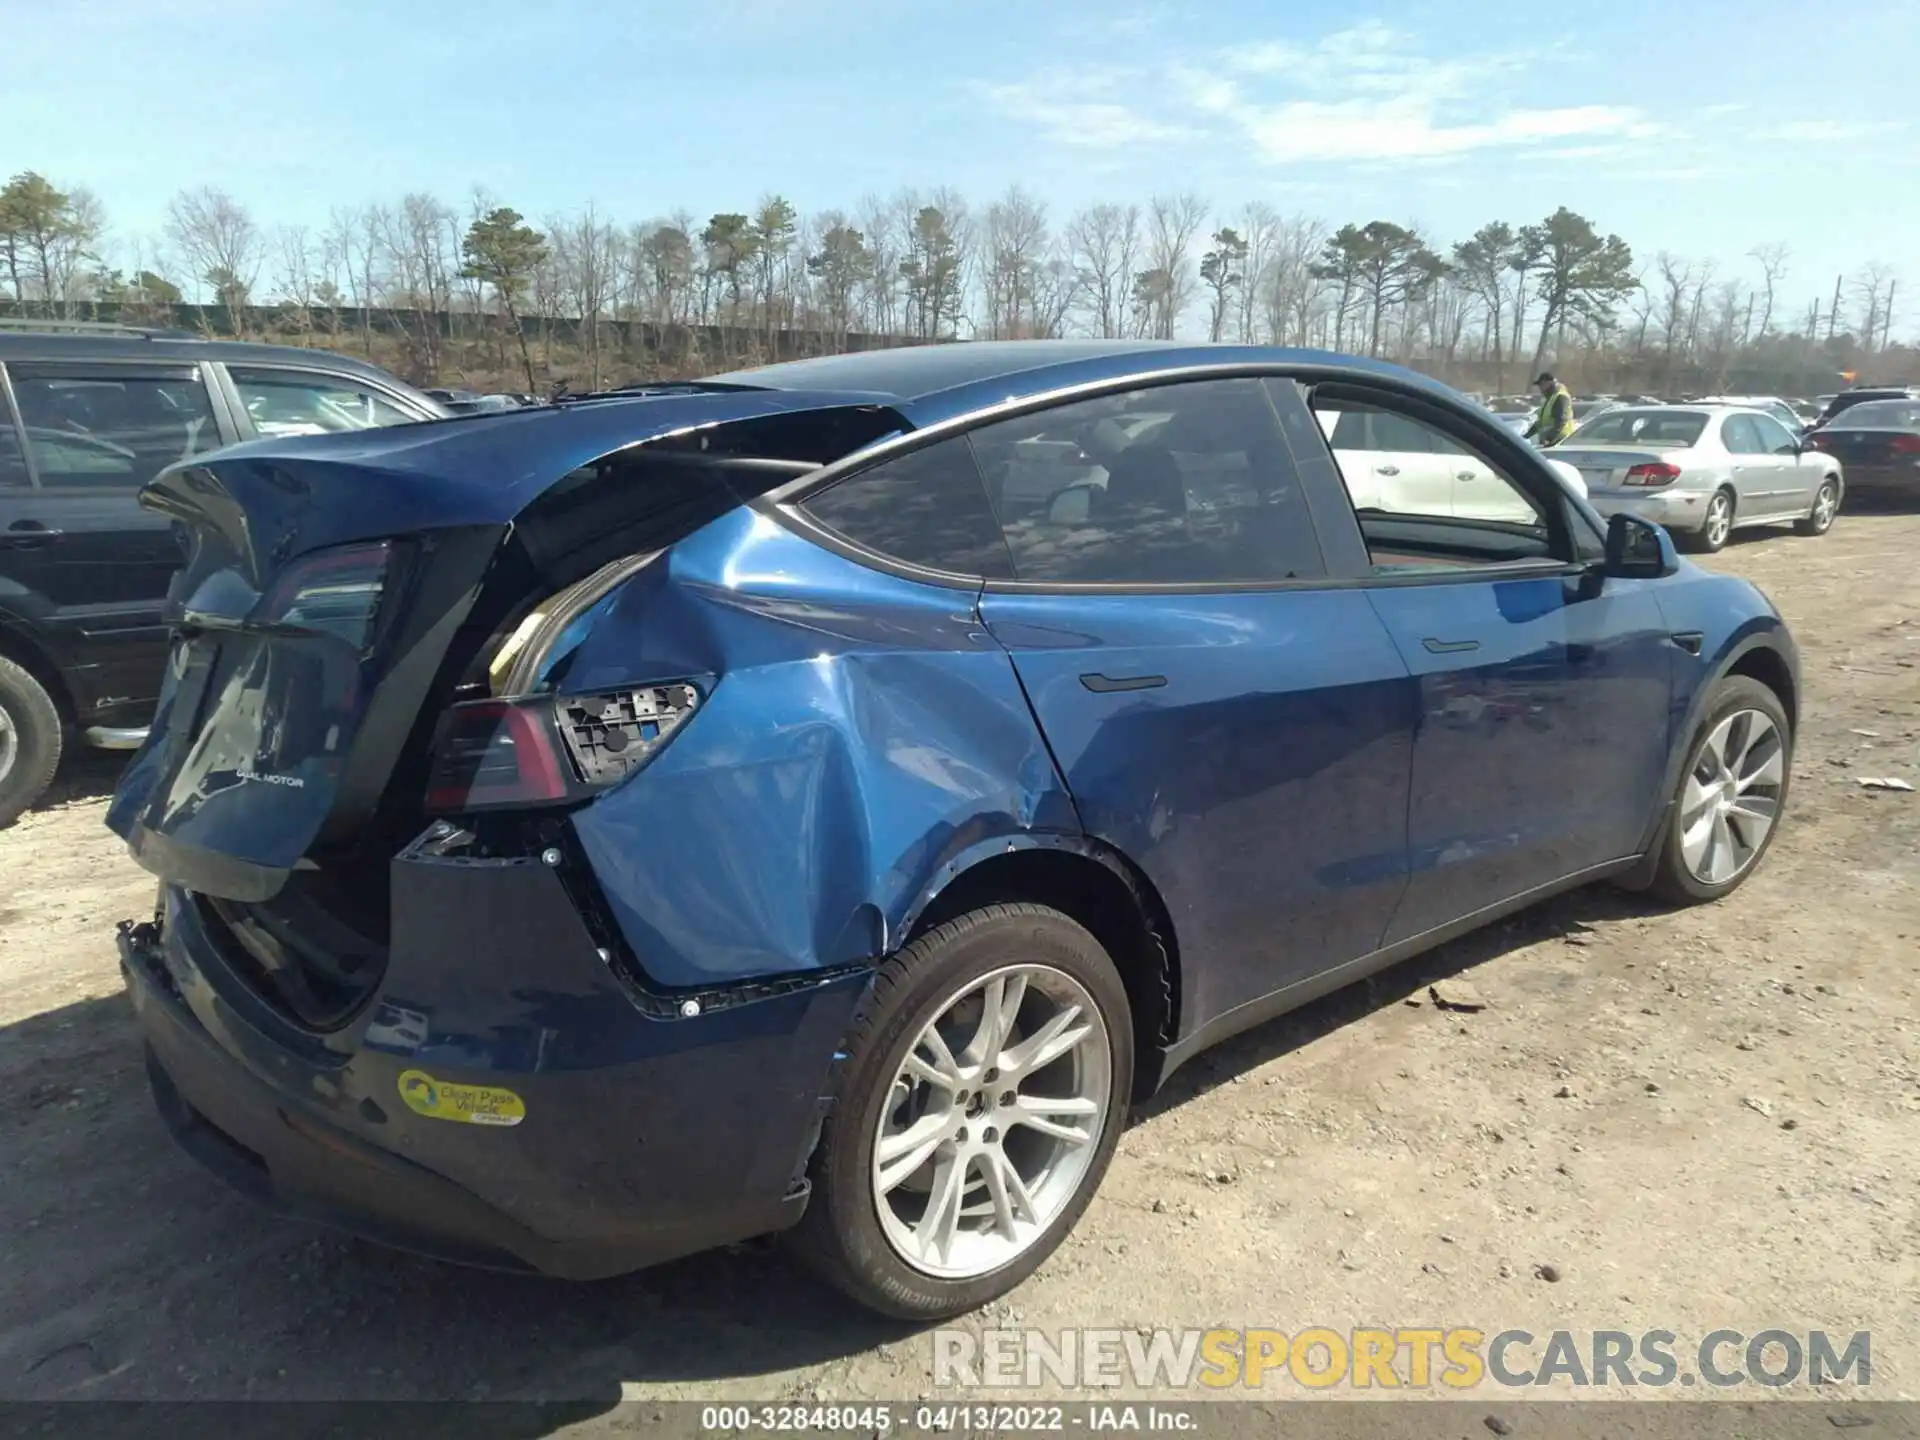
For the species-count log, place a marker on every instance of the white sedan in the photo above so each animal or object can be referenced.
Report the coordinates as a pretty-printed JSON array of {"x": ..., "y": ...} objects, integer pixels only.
[
  {"x": 1391, "y": 463},
  {"x": 1704, "y": 471}
]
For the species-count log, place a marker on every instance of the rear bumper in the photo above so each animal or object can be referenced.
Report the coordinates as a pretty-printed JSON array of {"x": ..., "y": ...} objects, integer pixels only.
[
  {"x": 1889, "y": 482},
  {"x": 1671, "y": 509},
  {"x": 686, "y": 1134}
]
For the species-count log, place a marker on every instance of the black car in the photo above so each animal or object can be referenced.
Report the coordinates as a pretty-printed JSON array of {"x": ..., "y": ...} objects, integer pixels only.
[
  {"x": 89, "y": 414},
  {"x": 1838, "y": 405},
  {"x": 1877, "y": 444}
]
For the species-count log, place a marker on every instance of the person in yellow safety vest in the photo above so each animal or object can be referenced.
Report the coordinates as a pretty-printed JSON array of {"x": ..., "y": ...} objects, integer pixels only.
[{"x": 1555, "y": 420}]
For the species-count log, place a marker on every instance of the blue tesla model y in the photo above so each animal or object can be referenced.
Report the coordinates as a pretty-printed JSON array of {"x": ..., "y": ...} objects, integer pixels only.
[{"x": 825, "y": 797}]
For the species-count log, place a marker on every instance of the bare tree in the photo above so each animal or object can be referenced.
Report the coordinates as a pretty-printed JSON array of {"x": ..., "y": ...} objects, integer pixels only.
[
  {"x": 1772, "y": 258},
  {"x": 1016, "y": 246},
  {"x": 1260, "y": 227},
  {"x": 220, "y": 243},
  {"x": 1297, "y": 301},
  {"x": 1723, "y": 329},
  {"x": 293, "y": 278},
  {"x": 1173, "y": 222},
  {"x": 586, "y": 262},
  {"x": 1675, "y": 281},
  {"x": 1104, "y": 243},
  {"x": 1868, "y": 288}
]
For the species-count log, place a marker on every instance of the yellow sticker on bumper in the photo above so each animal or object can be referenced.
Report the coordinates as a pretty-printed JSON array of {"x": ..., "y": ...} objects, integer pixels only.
[{"x": 464, "y": 1104}]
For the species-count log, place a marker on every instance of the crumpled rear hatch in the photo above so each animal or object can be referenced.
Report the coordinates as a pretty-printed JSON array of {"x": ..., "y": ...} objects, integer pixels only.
[{"x": 339, "y": 587}]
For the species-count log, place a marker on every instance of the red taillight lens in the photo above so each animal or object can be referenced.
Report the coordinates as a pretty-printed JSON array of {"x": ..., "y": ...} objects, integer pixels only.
[
  {"x": 1658, "y": 473},
  {"x": 1820, "y": 440},
  {"x": 543, "y": 750},
  {"x": 1906, "y": 445},
  {"x": 331, "y": 592},
  {"x": 496, "y": 753}
]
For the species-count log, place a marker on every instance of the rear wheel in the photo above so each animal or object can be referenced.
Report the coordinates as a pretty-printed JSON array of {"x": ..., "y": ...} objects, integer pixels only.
[
  {"x": 1716, "y": 526},
  {"x": 1732, "y": 794},
  {"x": 1826, "y": 505},
  {"x": 29, "y": 740},
  {"x": 985, "y": 1090}
]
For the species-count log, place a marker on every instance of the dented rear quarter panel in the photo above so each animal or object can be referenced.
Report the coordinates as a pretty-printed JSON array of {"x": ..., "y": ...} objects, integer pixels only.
[{"x": 861, "y": 733}]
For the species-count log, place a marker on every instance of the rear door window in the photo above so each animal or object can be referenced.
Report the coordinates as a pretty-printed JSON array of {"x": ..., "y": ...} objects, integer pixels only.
[
  {"x": 110, "y": 427},
  {"x": 926, "y": 508},
  {"x": 1185, "y": 484},
  {"x": 303, "y": 402}
]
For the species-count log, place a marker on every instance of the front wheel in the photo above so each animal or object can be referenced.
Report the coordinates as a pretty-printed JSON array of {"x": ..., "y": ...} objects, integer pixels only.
[
  {"x": 1732, "y": 794},
  {"x": 1826, "y": 506},
  {"x": 986, "y": 1087}
]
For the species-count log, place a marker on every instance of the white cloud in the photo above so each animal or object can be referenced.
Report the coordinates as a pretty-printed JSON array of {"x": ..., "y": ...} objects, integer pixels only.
[
  {"x": 1082, "y": 110},
  {"x": 1816, "y": 130},
  {"x": 1367, "y": 94}
]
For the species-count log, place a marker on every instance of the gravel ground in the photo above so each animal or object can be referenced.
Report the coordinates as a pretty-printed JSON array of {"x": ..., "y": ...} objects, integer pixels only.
[{"x": 1693, "y": 1120}]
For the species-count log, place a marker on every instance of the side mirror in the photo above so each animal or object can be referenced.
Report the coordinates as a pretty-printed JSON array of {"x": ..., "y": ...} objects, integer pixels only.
[{"x": 1639, "y": 550}]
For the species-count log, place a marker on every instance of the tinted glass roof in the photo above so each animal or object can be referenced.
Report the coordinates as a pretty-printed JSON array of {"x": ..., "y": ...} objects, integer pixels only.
[{"x": 915, "y": 370}]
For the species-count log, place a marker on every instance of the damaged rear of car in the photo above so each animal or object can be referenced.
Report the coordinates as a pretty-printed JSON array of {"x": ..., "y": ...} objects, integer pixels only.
[{"x": 530, "y": 812}]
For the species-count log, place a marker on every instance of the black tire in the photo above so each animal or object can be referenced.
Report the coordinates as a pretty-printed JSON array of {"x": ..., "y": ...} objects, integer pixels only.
[
  {"x": 840, "y": 1236},
  {"x": 1811, "y": 524},
  {"x": 1703, "y": 540},
  {"x": 1672, "y": 880},
  {"x": 30, "y": 739}
]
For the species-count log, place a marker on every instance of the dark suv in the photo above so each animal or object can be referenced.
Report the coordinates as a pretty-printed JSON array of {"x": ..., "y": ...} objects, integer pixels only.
[
  {"x": 89, "y": 414},
  {"x": 1860, "y": 395}
]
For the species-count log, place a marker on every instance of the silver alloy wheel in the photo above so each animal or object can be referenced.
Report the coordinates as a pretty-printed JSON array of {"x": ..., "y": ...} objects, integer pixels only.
[
  {"x": 9, "y": 743},
  {"x": 1732, "y": 796},
  {"x": 1826, "y": 504},
  {"x": 992, "y": 1121},
  {"x": 1719, "y": 519}
]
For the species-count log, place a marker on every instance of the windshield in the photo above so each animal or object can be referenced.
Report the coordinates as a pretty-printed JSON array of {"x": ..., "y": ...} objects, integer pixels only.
[
  {"x": 1644, "y": 427},
  {"x": 1894, "y": 414}
]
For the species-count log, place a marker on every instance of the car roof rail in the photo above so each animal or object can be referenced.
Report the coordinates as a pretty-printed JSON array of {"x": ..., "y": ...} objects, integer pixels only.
[{"x": 27, "y": 325}]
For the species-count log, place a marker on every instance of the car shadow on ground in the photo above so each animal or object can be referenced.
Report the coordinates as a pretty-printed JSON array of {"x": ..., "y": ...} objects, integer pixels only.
[
  {"x": 1569, "y": 915},
  {"x": 137, "y": 1276},
  {"x": 84, "y": 774}
]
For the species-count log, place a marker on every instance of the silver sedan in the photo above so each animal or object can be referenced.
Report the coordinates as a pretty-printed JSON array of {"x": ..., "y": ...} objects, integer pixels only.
[{"x": 1703, "y": 471}]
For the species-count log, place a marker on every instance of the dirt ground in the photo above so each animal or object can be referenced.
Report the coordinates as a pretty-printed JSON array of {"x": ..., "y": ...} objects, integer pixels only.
[{"x": 1698, "y": 1120}]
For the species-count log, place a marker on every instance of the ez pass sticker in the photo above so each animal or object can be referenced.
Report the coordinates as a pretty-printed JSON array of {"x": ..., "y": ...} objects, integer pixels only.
[{"x": 465, "y": 1104}]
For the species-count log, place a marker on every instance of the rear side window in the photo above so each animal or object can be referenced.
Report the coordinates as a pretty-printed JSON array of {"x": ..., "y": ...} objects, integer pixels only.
[
  {"x": 926, "y": 508},
  {"x": 1173, "y": 485},
  {"x": 13, "y": 465},
  {"x": 296, "y": 402},
  {"x": 1775, "y": 438},
  {"x": 1741, "y": 436},
  {"x": 112, "y": 431}
]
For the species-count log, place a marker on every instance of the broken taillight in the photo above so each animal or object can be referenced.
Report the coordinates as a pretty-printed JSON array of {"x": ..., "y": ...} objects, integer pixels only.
[
  {"x": 545, "y": 750},
  {"x": 334, "y": 592}
]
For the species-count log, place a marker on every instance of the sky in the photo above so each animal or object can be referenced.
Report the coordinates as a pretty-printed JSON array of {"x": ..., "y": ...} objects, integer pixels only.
[{"x": 1700, "y": 127}]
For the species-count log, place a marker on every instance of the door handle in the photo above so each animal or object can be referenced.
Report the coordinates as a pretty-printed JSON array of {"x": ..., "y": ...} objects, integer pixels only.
[
  {"x": 1386, "y": 469},
  {"x": 27, "y": 535},
  {"x": 1463, "y": 475},
  {"x": 1450, "y": 647},
  {"x": 1108, "y": 684}
]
